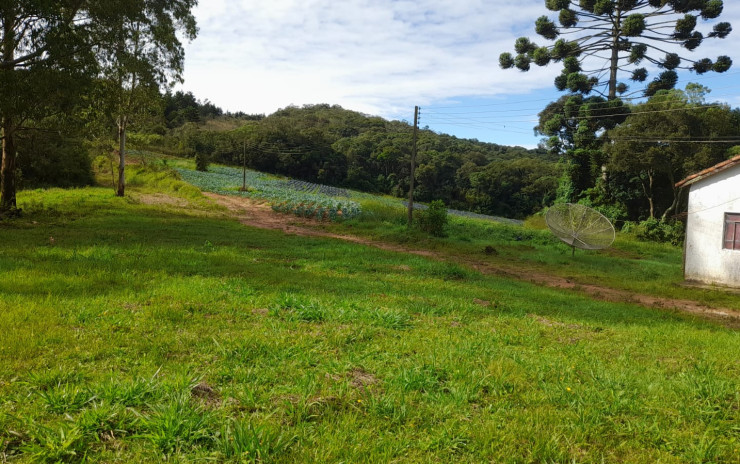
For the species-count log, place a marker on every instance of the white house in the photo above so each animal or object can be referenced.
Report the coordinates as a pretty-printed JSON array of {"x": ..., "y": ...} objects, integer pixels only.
[{"x": 712, "y": 249}]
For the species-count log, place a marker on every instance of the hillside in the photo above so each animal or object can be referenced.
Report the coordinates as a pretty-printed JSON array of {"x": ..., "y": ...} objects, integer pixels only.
[{"x": 332, "y": 145}]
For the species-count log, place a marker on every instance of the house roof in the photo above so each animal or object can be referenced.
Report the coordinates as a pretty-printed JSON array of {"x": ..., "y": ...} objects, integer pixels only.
[{"x": 717, "y": 168}]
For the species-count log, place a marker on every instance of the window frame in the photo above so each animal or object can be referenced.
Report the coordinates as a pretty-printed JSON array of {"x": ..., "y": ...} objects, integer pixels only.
[{"x": 732, "y": 220}]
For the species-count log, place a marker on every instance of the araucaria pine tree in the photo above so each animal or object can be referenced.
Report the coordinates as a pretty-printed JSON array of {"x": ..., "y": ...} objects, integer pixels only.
[{"x": 597, "y": 41}]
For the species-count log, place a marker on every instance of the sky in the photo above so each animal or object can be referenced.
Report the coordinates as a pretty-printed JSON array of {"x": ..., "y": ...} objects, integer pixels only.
[{"x": 384, "y": 57}]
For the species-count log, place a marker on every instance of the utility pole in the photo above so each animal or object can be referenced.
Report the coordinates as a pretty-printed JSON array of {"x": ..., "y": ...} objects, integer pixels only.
[
  {"x": 413, "y": 161},
  {"x": 244, "y": 165}
]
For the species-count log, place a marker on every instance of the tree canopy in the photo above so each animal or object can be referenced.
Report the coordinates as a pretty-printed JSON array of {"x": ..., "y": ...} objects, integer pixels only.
[
  {"x": 51, "y": 49},
  {"x": 597, "y": 41},
  {"x": 667, "y": 138}
]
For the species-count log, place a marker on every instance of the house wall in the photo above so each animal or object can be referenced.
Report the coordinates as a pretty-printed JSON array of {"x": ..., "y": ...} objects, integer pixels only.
[{"x": 709, "y": 200}]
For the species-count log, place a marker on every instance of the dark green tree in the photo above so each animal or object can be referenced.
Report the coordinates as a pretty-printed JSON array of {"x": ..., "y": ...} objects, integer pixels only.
[
  {"x": 43, "y": 62},
  {"x": 597, "y": 41},
  {"x": 666, "y": 138}
]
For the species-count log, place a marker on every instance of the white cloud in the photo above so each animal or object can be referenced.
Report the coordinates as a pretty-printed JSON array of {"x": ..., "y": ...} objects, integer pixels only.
[
  {"x": 377, "y": 56},
  {"x": 374, "y": 56}
]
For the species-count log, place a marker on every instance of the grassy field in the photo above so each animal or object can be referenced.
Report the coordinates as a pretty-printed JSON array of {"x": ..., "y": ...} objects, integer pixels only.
[{"x": 154, "y": 327}]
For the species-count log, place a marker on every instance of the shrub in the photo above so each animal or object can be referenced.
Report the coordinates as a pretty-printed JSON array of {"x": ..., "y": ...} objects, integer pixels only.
[
  {"x": 657, "y": 231},
  {"x": 434, "y": 219},
  {"x": 49, "y": 159},
  {"x": 201, "y": 162}
]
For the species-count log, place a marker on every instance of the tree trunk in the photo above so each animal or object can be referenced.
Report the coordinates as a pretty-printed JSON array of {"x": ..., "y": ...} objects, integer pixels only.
[
  {"x": 122, "y": 121},
  {"x": 676, "y": 198},
  {"x": 7, "y": 172},
  {"x": 614, "y": 62},
  {"x": 648, "y": 191},
  {"x": 650, "y": 196}
]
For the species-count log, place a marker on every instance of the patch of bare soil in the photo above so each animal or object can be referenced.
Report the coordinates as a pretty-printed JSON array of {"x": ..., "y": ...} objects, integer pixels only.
[
  {"x": 161, "y": 199},
  {"x": 362, "y": 379},
  {"x": 258, "y": 214},
  {"x": 205, "y": 393}
]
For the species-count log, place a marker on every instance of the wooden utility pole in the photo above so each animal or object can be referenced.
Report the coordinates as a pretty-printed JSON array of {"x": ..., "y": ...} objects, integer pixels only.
[
  {"x": 413, "y": 162},
  {"x": 244, "y": 165}
]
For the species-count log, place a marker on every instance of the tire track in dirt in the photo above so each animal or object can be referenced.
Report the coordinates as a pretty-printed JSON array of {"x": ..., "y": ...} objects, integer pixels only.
[{"x": 258, "y": 214}]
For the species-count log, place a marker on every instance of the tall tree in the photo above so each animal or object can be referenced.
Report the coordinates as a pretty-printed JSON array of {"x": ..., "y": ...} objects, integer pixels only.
[
  {"x": 42, "y": 60},
  {"x": 139, "y": 52},
  {"x": 599, "y": 42},
  {"x": 606, "y": 37}
]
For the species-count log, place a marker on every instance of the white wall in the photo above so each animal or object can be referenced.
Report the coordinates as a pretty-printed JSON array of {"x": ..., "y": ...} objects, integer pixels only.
[{"x": 709, "y": 200}]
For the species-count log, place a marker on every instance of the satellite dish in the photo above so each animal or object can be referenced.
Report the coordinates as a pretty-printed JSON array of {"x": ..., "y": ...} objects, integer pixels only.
[{"x": 580, "y": 226}]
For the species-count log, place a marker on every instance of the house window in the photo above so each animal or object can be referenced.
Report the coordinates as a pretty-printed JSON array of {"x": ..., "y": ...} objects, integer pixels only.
[{"x": 732, "y": 231}]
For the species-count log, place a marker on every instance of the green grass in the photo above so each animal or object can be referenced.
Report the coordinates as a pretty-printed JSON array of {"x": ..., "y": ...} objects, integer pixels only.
[
  {"x": 137, "y": 333},
  {"x": 636, "y": 266}
]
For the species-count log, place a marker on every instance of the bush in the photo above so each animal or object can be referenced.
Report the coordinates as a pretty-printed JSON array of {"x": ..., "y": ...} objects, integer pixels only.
[
  {"x": 49, "y": 159},
  {"x": 434, "y": 219},
  {"x": 654, "y": 230},
  {"x": 201, "y": 162}
]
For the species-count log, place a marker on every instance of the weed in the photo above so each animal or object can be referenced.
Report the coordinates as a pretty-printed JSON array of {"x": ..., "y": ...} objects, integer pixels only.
[
  {"x": 177, "y": 425},
  {"x": 136, "y": 392},
  {"x": 243, "y": 441},
  {"x": 391, "y": 319},
  {"x": 297, "y": 309},
  {"x": 66, "y": 443},
  {"x": 65, "y": 398}
]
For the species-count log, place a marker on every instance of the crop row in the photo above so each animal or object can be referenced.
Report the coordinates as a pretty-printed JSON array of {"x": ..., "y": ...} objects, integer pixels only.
[
  {"x": 281, "y": 195},
  {"x": 328, "y": 209},
  {"x": 310, "y": 187}
]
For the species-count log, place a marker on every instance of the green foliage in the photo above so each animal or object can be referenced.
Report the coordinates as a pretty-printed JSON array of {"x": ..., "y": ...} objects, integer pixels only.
[
  {"x": 201, "y": 162},
  {"x": 182, "y": 107},
  {"x": 178, "y": 425},
  {"x": 515, "y": 188},
  {"x": 245, "y": 442},
  {"x": 647, "y": 163},
  {"x": 64, "y": 444},
  {"x": 657, "y": 231},
  {"x": 433, "y": 219},
  {"x": 51, "y": 159},
  {"x": 163, "y": 178}
]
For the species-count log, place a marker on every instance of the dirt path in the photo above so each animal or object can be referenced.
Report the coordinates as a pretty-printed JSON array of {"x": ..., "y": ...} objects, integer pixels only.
[{"x": 259, "y": 214}]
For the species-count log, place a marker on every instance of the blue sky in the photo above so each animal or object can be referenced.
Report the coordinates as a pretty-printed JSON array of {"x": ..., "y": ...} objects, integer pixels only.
[{"x": 383, "y": 57}]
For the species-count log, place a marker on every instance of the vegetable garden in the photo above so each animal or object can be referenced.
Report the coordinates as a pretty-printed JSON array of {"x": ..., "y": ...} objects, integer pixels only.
[{"x": 298, "y": 197}]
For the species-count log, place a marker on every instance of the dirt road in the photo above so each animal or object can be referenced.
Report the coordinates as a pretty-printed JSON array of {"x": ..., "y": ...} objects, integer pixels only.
[{"x": 258, "y": 214}]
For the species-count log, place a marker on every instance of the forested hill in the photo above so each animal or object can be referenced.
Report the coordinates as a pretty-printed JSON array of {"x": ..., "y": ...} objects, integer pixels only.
[{"x": 332, "y": 145}]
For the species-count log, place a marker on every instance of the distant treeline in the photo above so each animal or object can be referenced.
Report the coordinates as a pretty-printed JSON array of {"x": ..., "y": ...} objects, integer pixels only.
[{"x": 331, "y": 145}]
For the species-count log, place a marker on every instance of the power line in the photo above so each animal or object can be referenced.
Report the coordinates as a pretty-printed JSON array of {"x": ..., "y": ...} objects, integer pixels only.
[
  {"x": 482, "y": 105},
  {"x": 498, "y": 120},
  {"x": 668, "y": 140},
  {"x": 593, "y": 107}
]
